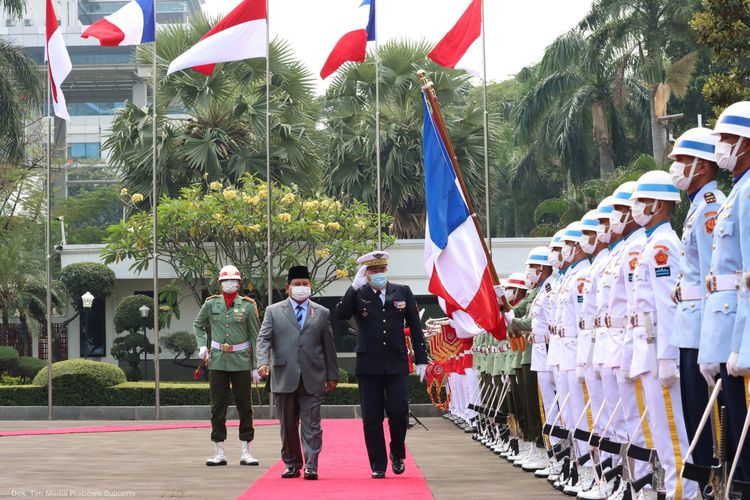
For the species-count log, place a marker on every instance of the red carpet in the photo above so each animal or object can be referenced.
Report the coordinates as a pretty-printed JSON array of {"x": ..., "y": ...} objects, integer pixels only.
[
  {"x": 124, "y": 428},
  {"x": 344, "y": 472}
]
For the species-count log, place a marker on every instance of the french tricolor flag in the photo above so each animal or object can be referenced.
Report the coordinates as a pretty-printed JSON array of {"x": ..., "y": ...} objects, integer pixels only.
[
  {"x": 353, "y": 45},
  {"x": 240, "y": 35},
  {"x": 461, "y": 47},
  {"x": 454, "y": 254},
  {"x": 133, "y": 24}
]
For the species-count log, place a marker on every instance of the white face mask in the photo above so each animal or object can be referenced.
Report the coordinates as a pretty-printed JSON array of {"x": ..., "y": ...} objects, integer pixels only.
[
  {"x": 532, "y": 276},
  {"x": 639, "y": 212},
  {"x": 676, "y": 171},
  {"x": 618, "y": 221},
  {"x": 604, "y": 235},
  {"x": 587, "y": 247},
  {"x": 300, "y": 293},
  {"x": 554, "y": 258},
  {"x": 726, "y": 154},
  {"x": 510, "y": 295},
  {"x": 567, "y": 253},
  {"x": 230, "y": 286}
]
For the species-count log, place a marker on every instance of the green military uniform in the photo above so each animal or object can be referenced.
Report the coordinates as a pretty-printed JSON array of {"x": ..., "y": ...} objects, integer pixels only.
[
  {"x": 235, "y": 330},
  {"x": 522, "y": 325}
]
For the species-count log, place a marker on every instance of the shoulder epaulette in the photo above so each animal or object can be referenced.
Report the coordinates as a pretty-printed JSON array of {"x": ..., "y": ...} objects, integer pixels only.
[
  {"x": 249, "y": 299},
  {"x": 212, "y": 297},
  {"x": 710, "y": 197}
]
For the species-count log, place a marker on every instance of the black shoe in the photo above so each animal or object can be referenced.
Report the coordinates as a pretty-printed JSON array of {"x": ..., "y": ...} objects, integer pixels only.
[
  {"x": 311, "y": 474},
  {"x": 397, "y": 464},
  {"x": 378, "y": 474},
  {"x": 290, "y": 472}
]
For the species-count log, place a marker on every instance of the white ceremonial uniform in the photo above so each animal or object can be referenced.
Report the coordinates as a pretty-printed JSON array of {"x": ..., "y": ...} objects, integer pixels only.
[
  {"x": 555, "y": 347},
  {"x": 540, "y": 313},
  {"x": 654, "y": 278}
]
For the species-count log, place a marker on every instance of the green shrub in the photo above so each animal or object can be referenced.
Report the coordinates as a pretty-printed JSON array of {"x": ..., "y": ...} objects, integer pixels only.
[
  {"x": 181, "y": 344},
  {"x": 78, "y": 381},
  {"x": 8, "y": 359},
  {"x": 83, "y": 277},
  {"x": 133, "y": 375},
  {"x": 128, "y": 315},
  {"x": 23, "y": 395},
  {"x": 26, "y": 368},
  {"x": 343, "y": 376}
]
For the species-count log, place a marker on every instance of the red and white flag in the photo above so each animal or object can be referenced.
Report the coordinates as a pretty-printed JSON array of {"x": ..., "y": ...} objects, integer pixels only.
[
  {"x": 58, "y": 62},
  {"x": 461, "y": 47},
  {"x": 240, "y": 35}
]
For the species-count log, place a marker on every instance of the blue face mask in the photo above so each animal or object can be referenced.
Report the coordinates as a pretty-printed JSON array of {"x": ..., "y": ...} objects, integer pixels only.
[{"x": 379, "y": 280}]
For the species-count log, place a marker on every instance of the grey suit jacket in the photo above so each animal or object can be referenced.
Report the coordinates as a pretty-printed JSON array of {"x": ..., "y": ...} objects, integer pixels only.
[{"x": 291, "y": 352}]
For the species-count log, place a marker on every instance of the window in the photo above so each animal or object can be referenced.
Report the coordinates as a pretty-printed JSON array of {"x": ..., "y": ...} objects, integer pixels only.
[
  {"x": 93, "y": 326},
  {"x": 84, "y": 150},
  {"x": 94, "y": 108}
]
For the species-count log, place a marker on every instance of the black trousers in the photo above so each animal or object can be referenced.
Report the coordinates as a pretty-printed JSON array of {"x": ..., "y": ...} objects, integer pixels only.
[
  {"x": 219, "y": 382},
  {"x": 733, "y": 392},
  {"x": 379, "y": 395},
  {"x": 694, "y": 400},
  {"x": 518, "y": 403},
  {"x": 533, "y": 417}
]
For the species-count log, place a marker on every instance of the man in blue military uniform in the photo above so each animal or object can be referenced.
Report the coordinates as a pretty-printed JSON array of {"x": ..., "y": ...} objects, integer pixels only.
[
  {"x": 382, "y": 309},
  {"x": 722, "y": 330},
  {"x": 694, "y": 171}
]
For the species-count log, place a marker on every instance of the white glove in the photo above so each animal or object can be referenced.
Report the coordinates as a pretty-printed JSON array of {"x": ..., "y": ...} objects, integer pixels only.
[
  {"x": 709, "y": 372},
  {"x": 669, "y": 373},
  {"x": 499, "y": 291},
  {"x": 580, "y": 375},
  {"x": 420, "y": 370},
  {"x": 204, "y": 354},
  {"x": 256, "y": 377},
  {"x": 360, "y": 280},
  {"x": 732, "y": 364},
  {"x": 509, "y": 317}
]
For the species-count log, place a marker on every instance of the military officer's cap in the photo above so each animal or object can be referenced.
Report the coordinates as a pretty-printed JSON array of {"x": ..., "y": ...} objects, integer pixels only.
[{"x": 374, "y": 259}]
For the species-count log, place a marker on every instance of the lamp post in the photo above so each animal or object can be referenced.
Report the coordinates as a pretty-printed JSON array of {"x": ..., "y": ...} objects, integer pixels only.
[
  {"x": 144, "y": 309},
  {"x": 88, "y": 300}
]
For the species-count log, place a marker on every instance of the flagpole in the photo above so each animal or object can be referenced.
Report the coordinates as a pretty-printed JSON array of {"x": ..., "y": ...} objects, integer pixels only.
[
  {"x": 485, "y": 124},
  {"x": 269, "y": 257},
  {"x": 48, "y": 246},
  {"x": 154, "y": 249},
  {"x": 377, "y": 134}
]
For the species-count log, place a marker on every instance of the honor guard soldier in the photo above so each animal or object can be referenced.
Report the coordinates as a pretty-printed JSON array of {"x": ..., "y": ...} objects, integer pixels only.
[
  {"x": 694, "y": 171},
  {"x": 722, "y": 335},
  {"x": 655, "y": 360},
  {"x": 382, "y": 309},
  {"x": 232, "y": 321}
]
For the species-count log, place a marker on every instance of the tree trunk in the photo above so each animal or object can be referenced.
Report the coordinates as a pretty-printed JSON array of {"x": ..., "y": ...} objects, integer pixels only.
[
  {"x": 603, "y": 137},
  {"x": 658, "y": 131}
]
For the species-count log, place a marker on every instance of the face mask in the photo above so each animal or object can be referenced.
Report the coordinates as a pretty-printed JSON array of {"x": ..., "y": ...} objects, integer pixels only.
[
  {"x": 554, "y": 259},
  {"x": 230, "y": 286},
  {"x": 567, "y": 254},
  {"x": 639, "y": 213},
  {"x": 726, "y": 154},
  {"x": 379, "y": 280},
  {"x": 300, "y": 293},
  {"x": 510, "y": 296},
  {"x": 587, "y": 247},
  {"x": 532, "y": 276},
  {"x": 678, "y": 177},
  {"x": 618, "y": 221},
  {"x": 604, "y": 236}
]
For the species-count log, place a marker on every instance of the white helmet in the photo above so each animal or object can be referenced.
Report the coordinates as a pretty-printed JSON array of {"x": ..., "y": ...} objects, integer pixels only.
[
  {"x": 572, "y": 232},
  {"x": 556, "y": 241},
  {"x": 229, "y": 273},
  {"x": 517, "y": 280},
  {"x": 656, "y": 185},
  {"x": 538, "y": 255},
  {"x": 604, "y": 209},
  {"x": 698, "y": 142},
  {"x": 623, "y": 194},
  {"x": 735, "y": 120},
  {"x": 590, "y": 222}
]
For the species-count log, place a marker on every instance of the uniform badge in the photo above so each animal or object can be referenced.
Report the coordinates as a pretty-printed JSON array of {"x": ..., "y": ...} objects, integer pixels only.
[
  {"x": 633, "y": 263},
  {"x": 399, "y": 304},
  {"x": 710, "y": 222},
  {"x": 662, "y": 272},
  {"x": 709, "y": 197},
  {"x": 661, "y": 258},
  {"x": 547, "y": 287},
  {"x": 580, "y": 287},
  {"x": 364, "y": 313}
]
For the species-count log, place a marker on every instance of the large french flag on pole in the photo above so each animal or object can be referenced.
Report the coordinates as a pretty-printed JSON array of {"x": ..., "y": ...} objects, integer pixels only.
[
  {"x": 58, "y": 62},
  {"x": 240, "y": 35},
  {"x": 454, "y": 255},
  {"x": 132, "y": 24},
  {"x": 353, "y": 45},
  {"x": 461, "y": 47}
]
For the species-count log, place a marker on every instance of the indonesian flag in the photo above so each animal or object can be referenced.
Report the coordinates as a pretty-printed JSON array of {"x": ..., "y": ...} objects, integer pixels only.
[
  {"x": 132, "y": 24},
  {"x": 240, "y": 35},
  {"x": 454, "y": 255},
  {"x": 58, "y": 62},
  {"x": 353, "y": 45},
  {"x": 461, "y": 47}
]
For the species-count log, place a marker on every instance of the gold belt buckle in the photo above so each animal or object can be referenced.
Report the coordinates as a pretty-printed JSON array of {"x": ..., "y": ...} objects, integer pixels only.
[
  {"x": 580, "y": 324},
  {"x": 747, "y": 280},
  {"x": 226, "y": 347},
  {"x": 608, "y": 321},
  {"x": 711, "y": 283}
]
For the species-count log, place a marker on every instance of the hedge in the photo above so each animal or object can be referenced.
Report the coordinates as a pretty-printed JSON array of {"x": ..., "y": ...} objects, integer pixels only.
[
  {"x": 172, "y": 394},
  {"x": 78, "y": 381}
]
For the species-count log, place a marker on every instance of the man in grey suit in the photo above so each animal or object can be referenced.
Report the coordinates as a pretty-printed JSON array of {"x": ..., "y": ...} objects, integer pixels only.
[{"x": 296, "y": 341}]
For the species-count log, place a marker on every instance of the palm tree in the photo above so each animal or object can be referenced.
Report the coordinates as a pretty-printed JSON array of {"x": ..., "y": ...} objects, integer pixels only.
[
  {"x": 20, "y": 89},
  {"x": 349, "y": 117},
  {"x": 215, "y": 129},
  {"x": 650, "y": 32}
]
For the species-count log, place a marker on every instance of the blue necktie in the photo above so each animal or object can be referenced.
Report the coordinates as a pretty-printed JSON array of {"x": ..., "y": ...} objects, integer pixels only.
[{"x": 300, "y": 311}]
